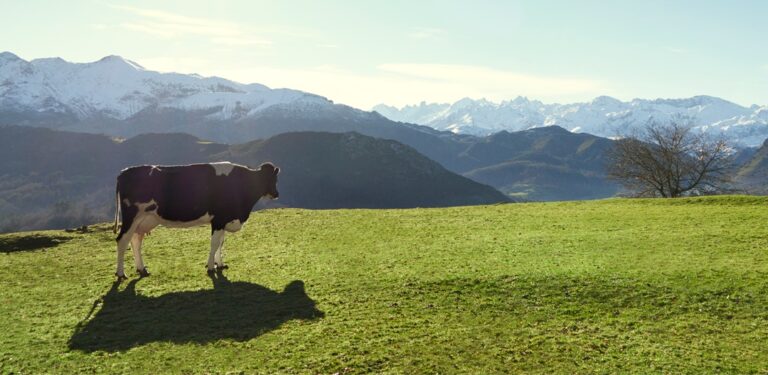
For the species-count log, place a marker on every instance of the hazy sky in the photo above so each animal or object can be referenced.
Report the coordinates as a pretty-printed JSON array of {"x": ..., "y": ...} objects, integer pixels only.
[{"x": 399, "y": 52}]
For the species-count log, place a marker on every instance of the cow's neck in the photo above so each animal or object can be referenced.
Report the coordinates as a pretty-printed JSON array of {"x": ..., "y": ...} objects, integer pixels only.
[{"x": 258, "y": 188}]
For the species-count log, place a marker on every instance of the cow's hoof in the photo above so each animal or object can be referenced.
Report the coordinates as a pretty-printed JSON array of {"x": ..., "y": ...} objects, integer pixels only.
[
  {"x": 120, "y": 277},
  {"x": 143, "y": 273},
  {"x": 222, "y": 266}
]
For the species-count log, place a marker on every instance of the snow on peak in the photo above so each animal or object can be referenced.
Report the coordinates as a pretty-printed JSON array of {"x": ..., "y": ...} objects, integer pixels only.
[
  {"x": 604, "y": 116},
  {"x": 520, "y": 100},
  {"x": 695, "y": 101},
  {"x": 119, "y": 88},
  {"x": 118, "y": 61},
  {"x": 605, "y": 101},
  {"x": 49, "y": 61},
  {"x": 7, "y": 56},
  {"x": 762, "y": 113},
  {"x": 467, "y": 103}
]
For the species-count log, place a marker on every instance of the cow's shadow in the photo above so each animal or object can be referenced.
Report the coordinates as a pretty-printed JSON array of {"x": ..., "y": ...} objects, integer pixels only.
[
  {"x": 12, "y": 244},
  {"x": 231, "y": 310}
]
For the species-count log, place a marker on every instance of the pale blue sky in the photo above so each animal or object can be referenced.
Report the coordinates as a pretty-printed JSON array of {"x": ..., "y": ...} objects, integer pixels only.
[{"x": 398, "y": 52}]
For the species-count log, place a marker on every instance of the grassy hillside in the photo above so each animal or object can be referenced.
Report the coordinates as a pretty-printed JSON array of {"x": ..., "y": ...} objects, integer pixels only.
[
  {"x": 548, "y": 163},
  {"x": 615, "y": 286},
  {"x": 753, "y": 172},
  {"x": 329, "y": 170}
]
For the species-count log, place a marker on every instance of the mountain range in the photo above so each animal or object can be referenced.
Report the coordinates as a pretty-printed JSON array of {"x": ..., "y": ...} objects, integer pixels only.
[
  {"x": 118, "y": 89},
  {"x": 604, "y": 116},
  {"x": 118, "y": 97},
  {"x": 524, "y": 149}
]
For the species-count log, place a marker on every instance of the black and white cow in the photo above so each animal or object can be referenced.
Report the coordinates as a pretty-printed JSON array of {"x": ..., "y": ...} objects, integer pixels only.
[{"x": 222, "y": 194}]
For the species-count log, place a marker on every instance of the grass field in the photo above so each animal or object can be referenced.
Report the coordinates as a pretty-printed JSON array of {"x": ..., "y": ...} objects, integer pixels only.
[{"x": 614, "y": 286}]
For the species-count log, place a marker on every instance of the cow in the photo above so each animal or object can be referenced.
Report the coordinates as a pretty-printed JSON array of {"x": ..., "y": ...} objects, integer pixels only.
[{"x": 220, "y": 194}]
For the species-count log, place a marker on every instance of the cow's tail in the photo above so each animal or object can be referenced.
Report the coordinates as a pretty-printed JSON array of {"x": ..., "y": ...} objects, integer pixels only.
[{"x": 117, "y": 208}]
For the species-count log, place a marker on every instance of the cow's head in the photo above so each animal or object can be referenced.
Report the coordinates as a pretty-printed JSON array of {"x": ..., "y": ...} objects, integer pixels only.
[{"x": 269, "y": 173}]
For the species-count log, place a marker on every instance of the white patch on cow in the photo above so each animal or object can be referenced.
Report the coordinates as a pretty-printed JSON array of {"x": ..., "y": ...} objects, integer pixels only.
[
  {"x": 143, "y": 206},
  {"x": 233, "y": 226},
  {"x": 223, "y": 168},
  {"x": 202, "y": 220},
  {"x": 145, "y": 220},
  {"x": 154, "y": 168}
]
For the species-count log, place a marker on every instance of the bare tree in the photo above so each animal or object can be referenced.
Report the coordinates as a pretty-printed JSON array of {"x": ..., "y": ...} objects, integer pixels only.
[{"x": 670, "y": 160}]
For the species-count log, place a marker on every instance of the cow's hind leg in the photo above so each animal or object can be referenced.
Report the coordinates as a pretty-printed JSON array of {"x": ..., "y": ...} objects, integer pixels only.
[
  {"x": 218, "y": 259},
  {"x": 123, "y": 240},
  {"x": 136, "y": 242},
  {"x": 217, "y": 240}
]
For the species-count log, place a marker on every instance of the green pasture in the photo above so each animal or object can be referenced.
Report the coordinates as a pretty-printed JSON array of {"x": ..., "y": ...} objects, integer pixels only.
[{"x": 612, "y": 286}]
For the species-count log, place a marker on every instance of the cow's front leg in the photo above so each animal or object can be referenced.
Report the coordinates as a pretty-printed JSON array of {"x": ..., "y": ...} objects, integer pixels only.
[
  {"x": 218, "y": 259},
  {"x": 217, "y": 240},
  {"x": 136, "y": 242}
]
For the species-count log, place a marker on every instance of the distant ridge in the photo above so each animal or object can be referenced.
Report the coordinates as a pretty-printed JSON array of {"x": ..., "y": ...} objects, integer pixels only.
[{"x": 604, "y": 116}]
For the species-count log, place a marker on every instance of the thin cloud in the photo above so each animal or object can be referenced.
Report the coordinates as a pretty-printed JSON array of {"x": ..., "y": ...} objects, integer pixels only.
[
  {"x": 151, "y": 29},
  {"x": 184, "y": 65},
  {"x": 494, "y": 81},
  {"x": 171, "y": 25},
  {"x": 394, "y": 84},
  {"x": 241, "y": 41},
  {"x": 425, "y": 33}
]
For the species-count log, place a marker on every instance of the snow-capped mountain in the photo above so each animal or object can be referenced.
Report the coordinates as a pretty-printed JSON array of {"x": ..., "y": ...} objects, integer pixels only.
[
  {"x": 604, "y": 116},
  {"x": 117, "y": 88},
  {"x": 118, "y": 97}
]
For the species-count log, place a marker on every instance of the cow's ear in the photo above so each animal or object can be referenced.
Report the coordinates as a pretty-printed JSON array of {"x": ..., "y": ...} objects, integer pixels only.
[
  {"x": 265, "y": 166},
  {"x": 277, "y": 170}
]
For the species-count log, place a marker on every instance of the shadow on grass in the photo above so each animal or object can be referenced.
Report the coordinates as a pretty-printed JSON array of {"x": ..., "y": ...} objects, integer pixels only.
[
  {"x": 231, "y": 310},
  {"x": 12, "y": 244}
]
